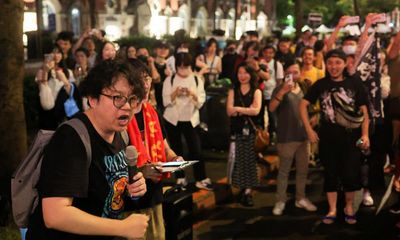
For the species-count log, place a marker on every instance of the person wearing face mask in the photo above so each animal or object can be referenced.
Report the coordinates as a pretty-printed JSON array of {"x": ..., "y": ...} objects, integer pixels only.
[
  {"x": 292, "y": 141},
  {"x": 349, "y": 45},
  {"x": 183, "y": 96}
]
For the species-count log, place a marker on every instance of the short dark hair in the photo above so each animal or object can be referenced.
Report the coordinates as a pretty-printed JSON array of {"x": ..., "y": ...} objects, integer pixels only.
[
  {"x": 183, "y": 59},
  {"x": 305, "y": 49},
  {"x": 84, "y": 50},
  {"x": 284, "y": 39},
  {"x": 269, "y": 46},
  {"x": 290, "y": 62},
  {"x": 104, "y": 75},
  {"x": 251, "y": 44},
  {"x": 336, "y": 53},
  {"x": 65, "y": 35},
  {"x": 252, "y": 33},
  {"x": 349, "y": 38},
  {"x": 139, "y": 66}
]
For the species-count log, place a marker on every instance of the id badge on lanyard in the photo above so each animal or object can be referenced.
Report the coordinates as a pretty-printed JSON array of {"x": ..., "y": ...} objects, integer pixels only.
[{"x": 246, "y": 129}]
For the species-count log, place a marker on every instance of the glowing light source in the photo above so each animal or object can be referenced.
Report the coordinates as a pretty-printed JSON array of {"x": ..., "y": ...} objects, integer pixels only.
[
  {"x": 30, "y": 23},
  {"x": 75, "y": 12},
  {"x": 113, "y": 32}
]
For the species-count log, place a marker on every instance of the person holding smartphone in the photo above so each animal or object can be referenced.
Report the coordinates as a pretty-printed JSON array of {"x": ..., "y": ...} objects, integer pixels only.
[
  {"x": 292, "y": 141},
  {"x": 55, "y": 81},
  {"x": 183, "y": 96}
]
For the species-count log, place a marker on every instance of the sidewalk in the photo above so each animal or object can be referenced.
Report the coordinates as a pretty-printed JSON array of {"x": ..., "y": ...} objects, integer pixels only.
[{"x": 230, "y": 220}]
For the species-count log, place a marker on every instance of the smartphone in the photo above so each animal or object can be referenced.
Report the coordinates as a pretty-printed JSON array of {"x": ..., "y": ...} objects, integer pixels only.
[
  {"x": 94, "y": 31},
  {"x": 289, "y": 79},
  {"x": 353, "y": 20},
  {"x": 380, "y": 18},
  {"x": 48, "y": 57}
]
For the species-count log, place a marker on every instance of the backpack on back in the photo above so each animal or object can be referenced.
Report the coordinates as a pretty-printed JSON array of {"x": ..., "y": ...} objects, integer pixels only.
[{"x": 24, "y": 193}]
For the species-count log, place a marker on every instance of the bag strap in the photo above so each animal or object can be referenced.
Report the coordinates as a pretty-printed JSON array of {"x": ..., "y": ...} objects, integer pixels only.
[
  {"x": 248, "y": 118},
  {"x": 195, "y": 79},
  {"x": 83, "y": 133},
  {"x": 71, "y": 94}
]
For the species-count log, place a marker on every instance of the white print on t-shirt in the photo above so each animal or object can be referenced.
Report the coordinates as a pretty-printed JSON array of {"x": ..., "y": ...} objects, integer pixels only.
[
  {"x": 117, "y": 177},
  {"x": 341, "y": 98}
]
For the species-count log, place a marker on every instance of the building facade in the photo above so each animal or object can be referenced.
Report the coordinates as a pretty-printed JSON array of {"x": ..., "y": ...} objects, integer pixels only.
[{"x": 121, "y": 18}]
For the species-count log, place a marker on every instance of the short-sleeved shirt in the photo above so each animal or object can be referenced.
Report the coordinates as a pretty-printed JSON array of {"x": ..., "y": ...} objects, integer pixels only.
[
  {"x": 98, "y": 190},
  {"x": 313, "y": 74},
  {"x": 290, "y": 128},
  {"x": 333, "y": 95}
]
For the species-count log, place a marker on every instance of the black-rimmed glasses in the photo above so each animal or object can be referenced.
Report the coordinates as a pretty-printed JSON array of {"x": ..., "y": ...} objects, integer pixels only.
[{"x": 119, "y": 101}]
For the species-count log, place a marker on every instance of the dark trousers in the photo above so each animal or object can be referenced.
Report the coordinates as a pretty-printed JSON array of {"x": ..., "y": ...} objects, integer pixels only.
[
  {"x": 374, "y": 177},
  {"x": 192, "y": 139},
  {"x": 340, "y": 157}
]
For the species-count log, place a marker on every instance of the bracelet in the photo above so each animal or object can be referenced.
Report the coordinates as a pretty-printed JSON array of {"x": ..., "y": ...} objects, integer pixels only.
[{"x": 279, "y": 100}]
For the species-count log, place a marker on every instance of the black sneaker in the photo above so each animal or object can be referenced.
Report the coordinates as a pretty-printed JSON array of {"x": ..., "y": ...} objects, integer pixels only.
[{"x": 247, "y": 200}]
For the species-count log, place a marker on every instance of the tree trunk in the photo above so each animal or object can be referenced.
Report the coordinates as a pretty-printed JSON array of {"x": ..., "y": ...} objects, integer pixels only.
[
  {"x": 93, "y": 13},
  {"x": 13, "y": 137},
  {"x": 356, "y": 8},
  {"x": 298, "y": 9}
]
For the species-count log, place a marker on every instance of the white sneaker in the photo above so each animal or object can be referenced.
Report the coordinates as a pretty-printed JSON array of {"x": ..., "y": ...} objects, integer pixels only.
[
  {"x": 368, "y": 200},
  {"x": 278, "y": 208},
  {"x": 306, "y": 204},
  {"x": 205, "y": 184},
  {"x": 182, "y": 182}
]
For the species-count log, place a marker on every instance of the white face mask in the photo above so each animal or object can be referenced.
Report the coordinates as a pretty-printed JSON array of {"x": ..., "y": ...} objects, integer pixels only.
[{"x": 349, "y": 49}]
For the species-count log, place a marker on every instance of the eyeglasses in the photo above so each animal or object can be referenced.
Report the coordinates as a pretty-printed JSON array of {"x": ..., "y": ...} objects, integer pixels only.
[{"x": 119, "y": 101}]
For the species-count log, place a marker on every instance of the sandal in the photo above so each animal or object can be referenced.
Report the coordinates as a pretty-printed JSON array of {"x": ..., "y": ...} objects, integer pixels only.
[
  {"x": 350, "y": 219},
  {"x": 328, "y": 219}
]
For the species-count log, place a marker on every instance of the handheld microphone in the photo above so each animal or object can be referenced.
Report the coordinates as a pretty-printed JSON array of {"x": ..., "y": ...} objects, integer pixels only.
[{"x": 131, "y": 157}]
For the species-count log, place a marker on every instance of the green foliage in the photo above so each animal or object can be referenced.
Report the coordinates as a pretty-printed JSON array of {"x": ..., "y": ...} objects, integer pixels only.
[
  {"x": 332, "y": 10},
  {"x": 10, "y": 232}
]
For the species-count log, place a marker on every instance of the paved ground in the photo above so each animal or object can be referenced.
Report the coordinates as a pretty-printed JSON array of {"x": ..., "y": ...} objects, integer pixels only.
[{"x": 229, "y": 220}]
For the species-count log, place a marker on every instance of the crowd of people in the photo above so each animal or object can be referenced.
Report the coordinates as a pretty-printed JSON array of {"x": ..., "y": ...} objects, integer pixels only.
[{"x": 330, "y": 99}]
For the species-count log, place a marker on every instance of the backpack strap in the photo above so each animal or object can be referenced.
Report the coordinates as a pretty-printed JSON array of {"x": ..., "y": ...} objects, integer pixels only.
[
  {"x": 172, "y": 79},
  {"x": 83, "y": 133}
]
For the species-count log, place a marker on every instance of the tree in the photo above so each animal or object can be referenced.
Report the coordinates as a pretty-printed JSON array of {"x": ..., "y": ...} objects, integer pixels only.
[
  {"x": 13, "y": 136},
  {"x": 299, "y": 16}
]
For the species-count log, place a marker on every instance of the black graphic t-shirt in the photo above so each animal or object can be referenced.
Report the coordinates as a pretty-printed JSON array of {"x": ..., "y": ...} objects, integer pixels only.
[
  {"x": 98, "y": 190},
  {"x": 338, "y": 98}
]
